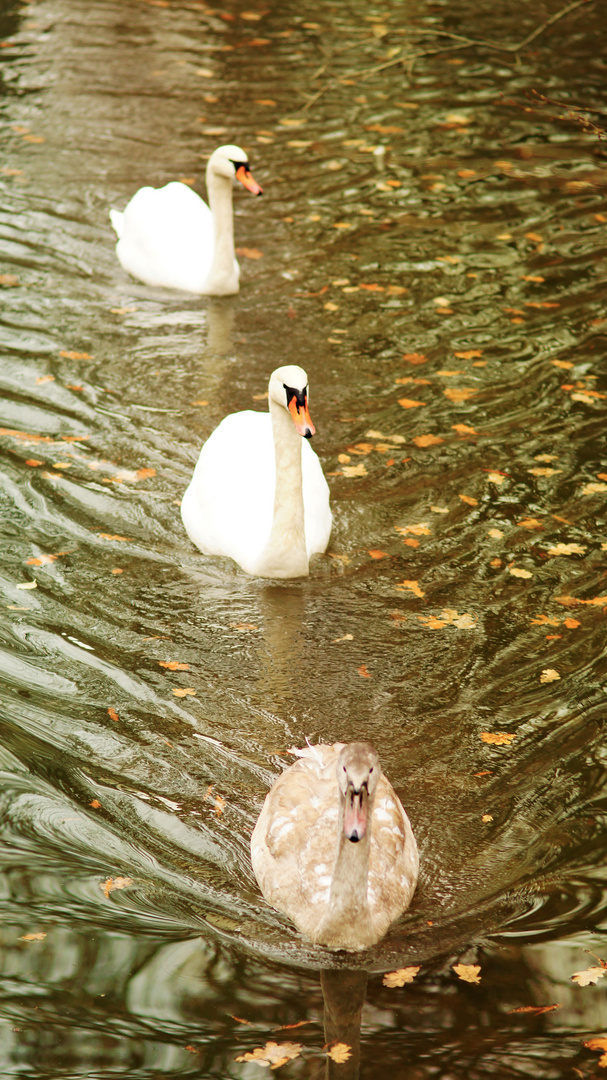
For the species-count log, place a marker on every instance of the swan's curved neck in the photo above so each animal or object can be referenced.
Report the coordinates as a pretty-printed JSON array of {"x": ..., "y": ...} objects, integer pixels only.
[
  {"x": 223, "y": 275},
  {"x": 285, "y": 552},
  {"x": 348, "y": 903}
]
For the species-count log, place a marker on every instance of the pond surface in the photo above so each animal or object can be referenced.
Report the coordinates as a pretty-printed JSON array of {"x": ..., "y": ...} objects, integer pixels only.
[{"x": 431, "y": 247}]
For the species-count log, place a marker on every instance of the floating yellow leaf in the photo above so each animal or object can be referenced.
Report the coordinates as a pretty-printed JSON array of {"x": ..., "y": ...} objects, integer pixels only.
[
  {"x": 412, "y": 586},
  {"x": 549, "y": 675},
  {"x": 469, "y": 354},
  {"x": 495, "y": 534},
  {"x": 249, "y": 253},
  {"x": 469, "y": 973},
  {"x": 427, "y": 440},
  {"x": 517, "y": 571},
  {"x": 409, "y": 403},
  {"x": 497, "y": 738},
  {"x": 464, "y": 429},
  {"x": 273, "y": 1054},
  {"x": 416, "y": 530},
  {"x": 174, "y": 665},
  {"x": 530, "y": 523},
  {"x": 486, "y": 818},
  {"x": 459, "y": 393},
  {"x": 590, "y": 976},
  {"x": 439, "y": 509},
  {"x": 541, "y": 471},
  {"x": 567, "y": 549},
  {"x": 33, "y": 937},
  {"x": 354, "y": 470},
  {"x": 115, "y": 883},
  {"x": 184, "y": 691},
  {"x": 340, "y": 1052},
  {"x": 496, "y": 477},
  {"x": 469, "y": 500},
  {"x": 376, "y": 554},
  {"x": 401, "y": 976},
  {"x": 594, "y": 489}
]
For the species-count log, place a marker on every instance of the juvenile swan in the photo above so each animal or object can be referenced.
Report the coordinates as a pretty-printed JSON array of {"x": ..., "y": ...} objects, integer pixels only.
[
  {"x": 333, "y": 848},
  {"x": 169, "y": 237},
  {"x": 258, "y": 493}
]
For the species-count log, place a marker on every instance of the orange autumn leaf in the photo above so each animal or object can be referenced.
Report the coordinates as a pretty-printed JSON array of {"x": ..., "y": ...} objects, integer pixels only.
[
  {"x": 44, "y": 379},
  {"x": 571, "y": 624},
  {"x": 96, "y": 805},
  {"x": 111, "y": 536},
  {"x": 497, "y": 738},
  {"x": 219, "y": 805},
  {"x": 33, "y": 937},
  {"x": 273, "y": 1054},
  {"x": 535, "y": 1010},
  {"x": 458, "y": 394},
  {"x": 599, "y": 1044},
  {"x": 427, "y": 440},
  {"x": 185, "y": 691},
  {"x": 415, "y": 358},
  {"x": 464, "y": 429},
  {"x": 529, "y": 523},
  {"x": 410, "y": 542},
  {"x": 144, "y": 474},
  {"x": 33, "y": 462},
  {"x": 174, "y": 665},
  {"x": 115, "y": 883},
  {"x": 409, "y": 403},
  {"x": 75, "y": 355},
  {"x": 41, "y": 560},
  {"x": 372, "y": 288},
  {"x": 249, "y": 253},
  {"x": 401, "y": 976},
  {"x": 469, "y": 500},
  {"x": 412, "y": 586},
  {"x": 416, "y": 530},
  {"x": 113, "y": 715},
  {"x": 362, "y": 670},
  {"x": 376, "y": 554},
  {"x": 469, "y": 354}
]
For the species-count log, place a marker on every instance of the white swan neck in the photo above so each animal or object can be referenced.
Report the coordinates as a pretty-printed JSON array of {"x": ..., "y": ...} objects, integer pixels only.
[
  {"x": 348, "y": 904},
  {"x": 285, "y": 552},
  {"x": 223, "y": 275}
]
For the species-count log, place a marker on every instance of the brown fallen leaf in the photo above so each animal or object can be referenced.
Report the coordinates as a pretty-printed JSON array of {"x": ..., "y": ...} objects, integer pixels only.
[
  {"x": 599, "y": 1044},
  {"x": 401, "y": 976},
  {"x": 497, "y": 738},
  {"x": 469, "y": 973},
  {"x": 173, "y": 665},
  {"x": 535, "y": 1010},
  {"x": 273, "y": 1054},
  {"x": 115, "y": 883},
  {"x": 362, "y": 670},
  {"x": 414, "y": 358},
  {"x": 376, "y": 554}
]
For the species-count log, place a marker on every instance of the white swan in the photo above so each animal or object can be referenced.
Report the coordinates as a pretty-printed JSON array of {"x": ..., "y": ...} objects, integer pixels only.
[
  {"x": 169, "y": 237},
  {"x": 258, "y": 493},
  {"x": 333, "y": 848}
]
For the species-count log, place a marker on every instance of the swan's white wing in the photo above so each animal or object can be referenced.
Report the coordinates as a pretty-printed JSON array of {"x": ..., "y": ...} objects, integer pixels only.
[
  {"x": 317, "y": 511},
  {"x": 166, "y": 237},
  {"x": 229, "y": 505}
]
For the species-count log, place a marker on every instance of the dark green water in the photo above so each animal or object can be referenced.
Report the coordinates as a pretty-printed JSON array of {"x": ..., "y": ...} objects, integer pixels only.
[{"x": 465, "y": 259}]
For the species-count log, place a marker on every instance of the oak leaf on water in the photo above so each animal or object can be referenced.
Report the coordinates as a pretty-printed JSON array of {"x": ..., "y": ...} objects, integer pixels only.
[
  {"x": 340, "y": 1052},
  {"x": 497, "y": 738},
  {"x": 401, "y": 976},
  {"x": 115, "y": 883},
  {"x": 272, "y": 1055},
  {"x": 469, "y": 973},
  {"x": 599, "y": 1044},
  {"x": 590, "y": 976}
]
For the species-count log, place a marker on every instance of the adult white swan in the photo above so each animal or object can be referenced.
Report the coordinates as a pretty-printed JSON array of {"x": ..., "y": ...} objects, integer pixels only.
[
  {"x": 168, "y": 236},
  {"x": 258, "y": 493},
  {"x": 333, "y": 848}
]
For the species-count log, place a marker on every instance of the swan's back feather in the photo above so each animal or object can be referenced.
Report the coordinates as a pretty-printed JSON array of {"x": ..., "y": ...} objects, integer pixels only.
[{"x": 294, "y": 843}]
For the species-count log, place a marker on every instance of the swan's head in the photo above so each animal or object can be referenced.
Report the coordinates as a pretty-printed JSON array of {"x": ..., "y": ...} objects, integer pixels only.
[
  {"x": 289, "y": 388},
  {"x": 358, "y": 773},
  {"x": 232, "y": 162}
]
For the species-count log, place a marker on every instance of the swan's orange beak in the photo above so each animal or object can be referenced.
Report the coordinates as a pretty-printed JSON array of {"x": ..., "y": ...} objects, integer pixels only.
[
  {"x": 355, "y": 814},
  {"x": 244, "y": 175},
  {"x": 301, "y": 418}
]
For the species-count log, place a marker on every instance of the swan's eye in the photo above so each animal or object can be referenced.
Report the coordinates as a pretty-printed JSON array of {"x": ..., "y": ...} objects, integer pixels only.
[{"x": 370, "y": 770}]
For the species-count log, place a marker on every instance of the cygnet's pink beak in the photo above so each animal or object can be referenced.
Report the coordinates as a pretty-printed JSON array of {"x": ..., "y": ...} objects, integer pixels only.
[{"x": 355, "y": 814}]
